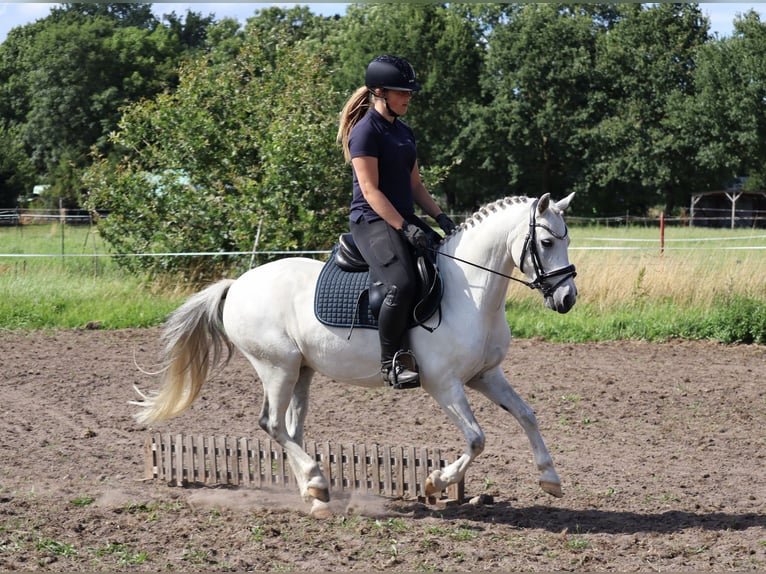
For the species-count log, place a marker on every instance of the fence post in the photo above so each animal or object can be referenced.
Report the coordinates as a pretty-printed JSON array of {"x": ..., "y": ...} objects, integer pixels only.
[{"x": 62, "y": 218}]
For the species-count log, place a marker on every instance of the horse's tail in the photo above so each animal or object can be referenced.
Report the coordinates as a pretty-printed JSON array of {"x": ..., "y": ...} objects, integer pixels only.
[{"x": 194, "y": 340}]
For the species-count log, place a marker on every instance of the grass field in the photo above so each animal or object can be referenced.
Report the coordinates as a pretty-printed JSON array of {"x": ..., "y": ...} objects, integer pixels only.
[
  {"x": 76, "y": 286},
  {"x": 707, "y": 283},
  {"x": 630, "y": 288}
]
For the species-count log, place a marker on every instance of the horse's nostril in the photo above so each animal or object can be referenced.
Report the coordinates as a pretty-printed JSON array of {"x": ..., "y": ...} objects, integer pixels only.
[{"x": 567, "y": 302}]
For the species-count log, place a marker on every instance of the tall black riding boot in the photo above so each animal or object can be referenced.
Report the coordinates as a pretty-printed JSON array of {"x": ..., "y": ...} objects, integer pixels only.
[{"x": 392, "y": 324}]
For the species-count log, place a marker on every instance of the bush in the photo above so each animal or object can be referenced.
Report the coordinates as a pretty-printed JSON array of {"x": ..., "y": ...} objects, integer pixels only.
[
  {"x": 238, "y": 143},
  {"x": 738, "y": 319}
]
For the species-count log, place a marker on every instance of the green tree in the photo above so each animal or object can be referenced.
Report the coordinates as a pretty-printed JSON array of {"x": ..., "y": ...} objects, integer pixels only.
[
  {"x": 727, "y": 117},
  {"x": 84, "y": 72},
  {"x": 224, "y": 40},
  {"x": 278, "y": 26},
  {"x": 236, "y": 144},
  {"x": 526, "y": 136},
  {"x": 16, "y": 171},
  {"x": 190, "y": 31},
  {"x": 125, "y": 14},
  {"x": 64, "y": 79},
  {"x": 640, "y": 154}
]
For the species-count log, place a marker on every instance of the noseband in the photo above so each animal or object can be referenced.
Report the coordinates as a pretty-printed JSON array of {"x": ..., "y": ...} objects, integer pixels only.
[{"x": 530, "y": 246}]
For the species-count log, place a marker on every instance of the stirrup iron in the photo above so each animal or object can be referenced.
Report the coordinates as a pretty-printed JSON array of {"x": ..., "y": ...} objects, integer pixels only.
[{"x": 410, "y": 377}]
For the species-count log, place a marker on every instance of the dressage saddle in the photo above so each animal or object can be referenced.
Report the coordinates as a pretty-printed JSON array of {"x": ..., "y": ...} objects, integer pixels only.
[
  {"x": 346, "y": 296},
  {"x": 349, "y": 258}
]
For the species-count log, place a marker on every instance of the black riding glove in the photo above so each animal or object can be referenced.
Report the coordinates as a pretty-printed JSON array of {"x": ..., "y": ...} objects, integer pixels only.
[
  {"x": 445, "y": 223},
  {"x": 415, "y": 236}
]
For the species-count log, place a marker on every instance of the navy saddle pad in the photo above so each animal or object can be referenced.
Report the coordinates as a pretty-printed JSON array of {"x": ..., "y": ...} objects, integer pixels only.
[{"x": 342, "y": 298}]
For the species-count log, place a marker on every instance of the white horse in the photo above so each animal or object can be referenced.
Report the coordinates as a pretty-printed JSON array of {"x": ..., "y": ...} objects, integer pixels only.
[{"x": 268, "y": 314}]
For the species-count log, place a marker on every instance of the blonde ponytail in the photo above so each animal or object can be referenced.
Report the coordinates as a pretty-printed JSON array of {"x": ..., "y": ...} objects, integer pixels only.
[{"x": 356, "y": 106}]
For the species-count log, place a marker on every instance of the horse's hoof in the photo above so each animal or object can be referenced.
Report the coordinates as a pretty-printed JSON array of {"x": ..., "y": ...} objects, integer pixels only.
[
  {"x": 430, "y": 486},
  {"x": 552, "y": 488},
  {"x": 320, "y": 494},
  {"x": 320, "y": 510}
]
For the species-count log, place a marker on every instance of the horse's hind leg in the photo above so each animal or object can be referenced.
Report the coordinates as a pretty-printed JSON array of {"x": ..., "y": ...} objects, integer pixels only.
[
  {"x": 285, "y": 389},
  {"x": 495, "y": 386},
  {"x": 299, "y": 405}
]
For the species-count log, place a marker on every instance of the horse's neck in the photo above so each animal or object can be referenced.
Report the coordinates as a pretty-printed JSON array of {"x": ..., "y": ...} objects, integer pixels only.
[{"x": 486, "y": 243}]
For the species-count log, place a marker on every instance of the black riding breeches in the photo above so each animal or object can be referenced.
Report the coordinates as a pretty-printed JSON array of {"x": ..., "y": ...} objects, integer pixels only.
[{"x": 388, "y": 254}]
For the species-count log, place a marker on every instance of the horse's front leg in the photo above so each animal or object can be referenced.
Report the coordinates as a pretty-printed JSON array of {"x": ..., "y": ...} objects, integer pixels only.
[
  {"x": 454, "y": 402},
  {"x": 496, "y": 387}
]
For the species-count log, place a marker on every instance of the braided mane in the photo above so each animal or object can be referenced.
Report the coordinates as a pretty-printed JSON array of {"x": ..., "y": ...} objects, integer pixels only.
[{"x": 483, "y": 212}]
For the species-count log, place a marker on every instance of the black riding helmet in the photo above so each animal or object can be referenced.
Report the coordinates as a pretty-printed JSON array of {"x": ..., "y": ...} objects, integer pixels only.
[{"x": 391, "y": 73}]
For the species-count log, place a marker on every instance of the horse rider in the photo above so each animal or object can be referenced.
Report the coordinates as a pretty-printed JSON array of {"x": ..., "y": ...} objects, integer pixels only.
[{"x": 386, "y": 186}]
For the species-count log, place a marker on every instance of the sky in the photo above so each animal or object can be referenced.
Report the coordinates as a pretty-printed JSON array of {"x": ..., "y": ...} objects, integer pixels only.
[{"x": 720, "y": 14}]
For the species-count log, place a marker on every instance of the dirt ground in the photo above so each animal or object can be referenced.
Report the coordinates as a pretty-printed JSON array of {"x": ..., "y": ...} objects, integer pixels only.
[{"x": 660, "y": 448}]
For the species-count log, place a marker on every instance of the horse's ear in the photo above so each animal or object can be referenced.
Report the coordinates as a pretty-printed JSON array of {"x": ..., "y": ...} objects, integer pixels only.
[
  {"x": 543, "y": 203},
  {"x": 563, "y": 204}
]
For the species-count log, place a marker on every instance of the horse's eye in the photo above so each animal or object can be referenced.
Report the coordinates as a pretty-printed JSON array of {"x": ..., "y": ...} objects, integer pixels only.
[{"x": 546, "y": 243}]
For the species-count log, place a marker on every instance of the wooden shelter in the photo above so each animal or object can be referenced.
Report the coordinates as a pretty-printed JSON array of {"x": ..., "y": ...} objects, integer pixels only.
[{"x": 729, "y": 208}]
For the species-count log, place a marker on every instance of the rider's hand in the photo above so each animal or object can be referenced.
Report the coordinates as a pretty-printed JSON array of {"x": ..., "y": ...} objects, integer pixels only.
[
  {"x": 447, "y": 225},
  {"x": 415, "y": 236}
]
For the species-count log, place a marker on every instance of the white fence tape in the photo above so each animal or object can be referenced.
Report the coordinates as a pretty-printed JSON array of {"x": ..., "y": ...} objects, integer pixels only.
[
  {"x": 666, "y": 248},
  {"x": 696, "y": 239},
  {"x": 654, "y": 247},
  {"x": 187, "y": 254}
]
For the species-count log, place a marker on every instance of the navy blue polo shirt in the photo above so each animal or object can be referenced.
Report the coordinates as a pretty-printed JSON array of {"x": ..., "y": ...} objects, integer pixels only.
[{"x": 394, "y": 146}]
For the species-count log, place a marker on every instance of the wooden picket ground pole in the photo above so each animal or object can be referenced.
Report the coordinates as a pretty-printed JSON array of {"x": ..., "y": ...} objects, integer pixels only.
[{"x": 180, "y": 459}]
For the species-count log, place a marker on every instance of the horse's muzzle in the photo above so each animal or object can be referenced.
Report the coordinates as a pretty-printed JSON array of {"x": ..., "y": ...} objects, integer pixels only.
[{"x": 563, "y": 298}]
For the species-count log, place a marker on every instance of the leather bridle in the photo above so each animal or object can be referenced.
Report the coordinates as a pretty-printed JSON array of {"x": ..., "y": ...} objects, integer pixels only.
[{"x": 530, "y": 247}]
